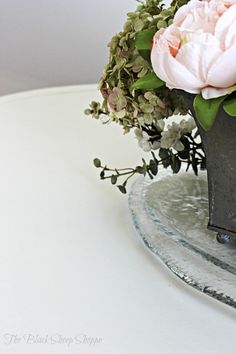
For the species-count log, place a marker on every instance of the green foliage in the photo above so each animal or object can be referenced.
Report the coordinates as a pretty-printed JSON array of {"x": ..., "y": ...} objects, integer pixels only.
[
  {"x": 136, "y": 99},
  {"x": 145, "y": 54},
  {"x": 122, "y": 189},
  {"x": 97, "y": 163},
  {"x": 143, "y": 39},
  {"x": 127, "y": 65},
  {"x": 148, "y": 82},
  {"x": 153, "y": 164},
  {"x": 230, "y": 107},
  {"x": 113, "y": 179},
  {"x": 206, "y": 110},
  {"x": 176, "y": 164},
  {"x": 184, "y": 154},
  {"x": 167, "y": 158}
]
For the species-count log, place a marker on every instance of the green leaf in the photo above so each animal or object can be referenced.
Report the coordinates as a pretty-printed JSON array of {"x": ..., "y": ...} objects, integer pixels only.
[
  {"x": 97, "y": 163},
  {"x": 148, "y": 82},
  {"x": 206, "y": 110},
  {"x": 113, "y": 179},
  {"x": 143, "y": 39},
  {"x": 153, "y": 167},
  {"x": 140, "y": 169},
  {"x": 184, "y": 154},
  {"x": 230, "y": 107},
  {"x": 163, "y": 153},
  {"x": 195, "y": 165},
  {"x": 176, "y": 164},
  {"x": 145, "y": 54},
  {"x": 122, "y": 189}
]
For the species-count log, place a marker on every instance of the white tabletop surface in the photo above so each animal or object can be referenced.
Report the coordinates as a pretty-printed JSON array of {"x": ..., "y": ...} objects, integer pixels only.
[{"x": 74, "y": 278}]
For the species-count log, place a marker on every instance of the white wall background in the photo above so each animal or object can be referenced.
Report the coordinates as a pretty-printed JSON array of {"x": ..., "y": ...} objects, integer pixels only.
[{"x": 56, "y": 42}]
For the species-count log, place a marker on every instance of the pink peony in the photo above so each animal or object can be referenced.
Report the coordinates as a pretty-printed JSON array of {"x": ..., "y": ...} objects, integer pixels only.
[{"x": 197, "y": 53}]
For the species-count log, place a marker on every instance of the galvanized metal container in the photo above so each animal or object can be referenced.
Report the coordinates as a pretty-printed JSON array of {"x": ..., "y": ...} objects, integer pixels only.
[{"x": 220, "y": 148}]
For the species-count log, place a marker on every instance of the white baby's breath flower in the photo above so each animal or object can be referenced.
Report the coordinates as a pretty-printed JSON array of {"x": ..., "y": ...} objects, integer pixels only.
[
  {"x": 138, "y": 133},
  {"x": 160, "y": 125},
  {"x": 178, "y": 146},
  {"x": 143, "y": 140},
  {"x": 187, "y": 126},
  {"x": 156, "y": 145},
  {"x": 171, "y": 137}
]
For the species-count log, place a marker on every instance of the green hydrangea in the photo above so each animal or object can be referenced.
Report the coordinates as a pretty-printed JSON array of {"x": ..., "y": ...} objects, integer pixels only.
[{"x": 133, "y": 106}]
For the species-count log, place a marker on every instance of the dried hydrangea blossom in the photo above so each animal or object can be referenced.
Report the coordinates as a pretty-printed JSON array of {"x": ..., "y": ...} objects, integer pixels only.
[
  {"x": 144, "y": 111},
  {"x": 126, "y": 65}
]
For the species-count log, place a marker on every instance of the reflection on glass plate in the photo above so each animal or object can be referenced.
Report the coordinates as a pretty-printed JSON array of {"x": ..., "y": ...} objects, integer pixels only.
[{"x": 170, "y": 214}]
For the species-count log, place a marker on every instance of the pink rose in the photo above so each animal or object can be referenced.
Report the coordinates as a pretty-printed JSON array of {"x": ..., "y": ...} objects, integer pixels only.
[{"x": 197, "y": 53}]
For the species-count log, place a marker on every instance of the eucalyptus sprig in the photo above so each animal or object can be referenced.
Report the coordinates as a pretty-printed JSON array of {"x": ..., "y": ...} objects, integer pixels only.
[{"x": 191, "y": 156}]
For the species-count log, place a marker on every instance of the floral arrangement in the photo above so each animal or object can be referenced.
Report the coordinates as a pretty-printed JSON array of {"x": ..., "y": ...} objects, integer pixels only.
[{"x": 161, "y": 52}]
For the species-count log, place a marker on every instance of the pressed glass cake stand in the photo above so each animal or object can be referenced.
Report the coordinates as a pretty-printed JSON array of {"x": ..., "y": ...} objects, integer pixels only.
[{"x": 170, "y": 214}]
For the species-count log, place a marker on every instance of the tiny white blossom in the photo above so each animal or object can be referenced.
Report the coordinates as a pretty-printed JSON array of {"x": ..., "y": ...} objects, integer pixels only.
[
  {"x": 138, "y": 133},
  {"x": 144, "y": 141},
  {"x": 187, "y": 126},
  {"x": 178, "y": 146},
  {"x": 160, "y": 124},
  {"x": 171, "y": 137},
  {"x": 156, "y": 145}
]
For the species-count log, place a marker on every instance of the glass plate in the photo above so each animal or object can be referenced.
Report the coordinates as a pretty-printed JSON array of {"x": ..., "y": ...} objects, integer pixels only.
[{"x": 170, "y": 214}]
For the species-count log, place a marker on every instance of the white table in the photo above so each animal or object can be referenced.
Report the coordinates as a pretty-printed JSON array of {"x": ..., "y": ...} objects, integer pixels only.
[{"x": 70, "y": 262}]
